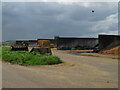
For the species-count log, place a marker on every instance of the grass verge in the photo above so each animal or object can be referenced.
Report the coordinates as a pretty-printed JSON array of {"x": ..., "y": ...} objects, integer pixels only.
[{"x": 27, "y": 58}]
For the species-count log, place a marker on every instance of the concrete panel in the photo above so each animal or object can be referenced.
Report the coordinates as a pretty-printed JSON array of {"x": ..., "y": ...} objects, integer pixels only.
[
  {"x": 76, "y": 42},
  {"x": 108, "y": 41}
]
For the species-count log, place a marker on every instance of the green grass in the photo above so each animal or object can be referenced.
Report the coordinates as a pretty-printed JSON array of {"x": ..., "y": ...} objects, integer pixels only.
[
  {"x": 0, "y": 52},
  {"x": 27, "y": 58}
]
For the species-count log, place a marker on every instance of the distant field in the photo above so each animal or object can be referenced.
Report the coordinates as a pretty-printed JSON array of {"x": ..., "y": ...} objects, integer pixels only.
[{"x": 27, "y": 58}]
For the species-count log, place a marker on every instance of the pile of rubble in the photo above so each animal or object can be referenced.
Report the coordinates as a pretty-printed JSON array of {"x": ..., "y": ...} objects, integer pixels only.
[{"x": 114, "y": 50}]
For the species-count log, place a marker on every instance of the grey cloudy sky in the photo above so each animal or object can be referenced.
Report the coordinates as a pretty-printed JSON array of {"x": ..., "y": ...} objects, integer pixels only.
[{"x": 32, "y": 20}]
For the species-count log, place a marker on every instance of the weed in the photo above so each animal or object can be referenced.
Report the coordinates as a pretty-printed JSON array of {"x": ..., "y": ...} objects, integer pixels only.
[{"x": 27, "y": 58}]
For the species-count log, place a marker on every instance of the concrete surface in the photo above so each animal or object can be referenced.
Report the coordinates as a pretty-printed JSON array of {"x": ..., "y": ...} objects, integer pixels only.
[{"x": 75, "y": 72}]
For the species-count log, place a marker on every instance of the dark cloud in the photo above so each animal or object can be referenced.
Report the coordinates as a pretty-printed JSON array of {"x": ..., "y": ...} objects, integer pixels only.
[{"x": 46, "y": 20}]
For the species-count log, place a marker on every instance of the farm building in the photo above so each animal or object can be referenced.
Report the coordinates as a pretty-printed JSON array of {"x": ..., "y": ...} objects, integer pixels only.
[
  {"x": 32, "y": 43},
  {"x": 78, "y": 43},
  {"x": 20, "y": 42},
  {"x": 27, "y": 42}
]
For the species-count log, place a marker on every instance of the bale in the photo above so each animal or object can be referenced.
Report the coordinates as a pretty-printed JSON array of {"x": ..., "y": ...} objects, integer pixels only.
[{"x": 44, "y": 43}]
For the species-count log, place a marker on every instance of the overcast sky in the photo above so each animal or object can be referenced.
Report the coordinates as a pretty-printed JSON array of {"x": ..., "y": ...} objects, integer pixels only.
[{"x": 30, "y": 20}]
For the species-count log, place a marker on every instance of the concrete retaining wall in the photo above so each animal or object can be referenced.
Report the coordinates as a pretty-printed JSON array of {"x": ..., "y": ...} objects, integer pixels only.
[
  {"x": 76, "y": 42},
  {"x": 108, "y": 41}
]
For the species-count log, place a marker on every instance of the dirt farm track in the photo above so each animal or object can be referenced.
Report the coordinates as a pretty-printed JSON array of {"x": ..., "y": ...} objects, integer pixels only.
[{"x": 76, "y": 72}]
